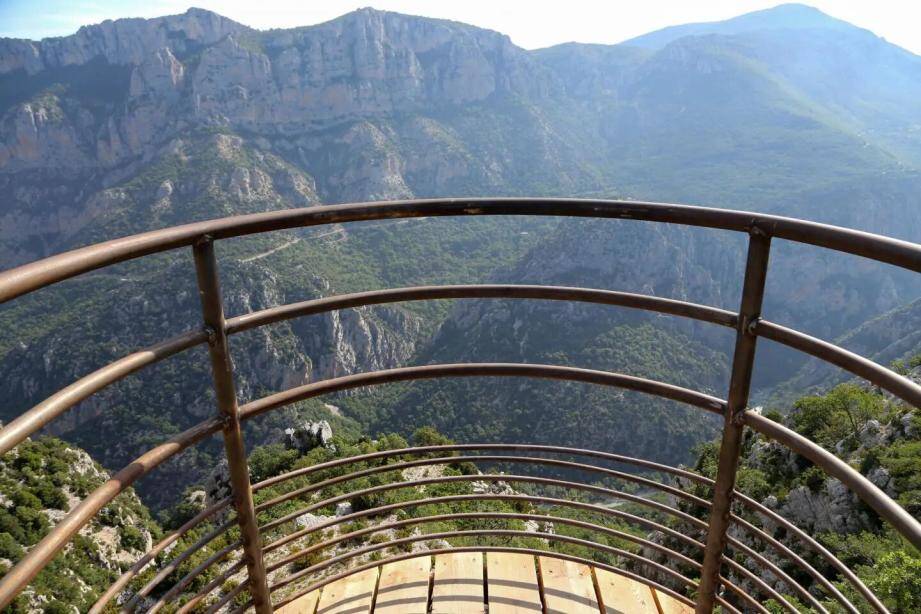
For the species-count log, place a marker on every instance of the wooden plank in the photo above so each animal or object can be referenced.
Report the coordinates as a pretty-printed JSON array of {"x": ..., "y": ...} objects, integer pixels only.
[
  {"x": 622, "y": 595},
  {"x": 458, "y": 584},
  {"x": 349, "y": 595},
  {"x": 404, "y": 587},
  {"x": 669, "y": 605},
  {"x": 302, "y": 605},
  {"x": 511, "y": 581},
  {"x": 568, "y": 587}
]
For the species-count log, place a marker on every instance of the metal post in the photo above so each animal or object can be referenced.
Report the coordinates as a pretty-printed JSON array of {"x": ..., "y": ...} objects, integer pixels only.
[
  {"x": 209, "y": 291},
  {"x": 743, "y": 358}
]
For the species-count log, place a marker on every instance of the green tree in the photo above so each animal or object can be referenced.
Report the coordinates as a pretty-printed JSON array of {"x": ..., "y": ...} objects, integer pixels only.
[
  {"x": 896, "y": 578},
  {"x": 131, "y": 538},
  {"x": 9, "y": 547}
]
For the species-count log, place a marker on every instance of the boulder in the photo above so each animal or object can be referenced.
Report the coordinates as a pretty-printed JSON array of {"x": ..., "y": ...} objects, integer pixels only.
[{"x": 308, "y": 436}]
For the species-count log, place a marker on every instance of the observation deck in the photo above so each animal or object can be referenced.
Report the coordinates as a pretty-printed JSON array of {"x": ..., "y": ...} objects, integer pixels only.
[
  {"x": 676, "y": 537},
  {"x": 494, "y": 582}
]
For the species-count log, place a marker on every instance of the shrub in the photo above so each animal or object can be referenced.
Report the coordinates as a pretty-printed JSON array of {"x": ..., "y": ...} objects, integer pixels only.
[
  {"x": 9, "y": 547},
  {"x": 267, "y": 461},
  {"x": 50, "y": 495},
  {"x": 24, "y": 498},
  {"x": 838, "y": 414},
  {"x": 10, "y": 524},
  {"x": 33, "y": 523},
  {"x": 56, "y": 607},
  {"x": 897, "y": 580},
  {"x": 131, "y": 538},
  {"x": 813, "y": 478}
]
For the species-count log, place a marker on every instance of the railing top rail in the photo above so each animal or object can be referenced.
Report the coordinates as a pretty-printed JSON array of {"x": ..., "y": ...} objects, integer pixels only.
[
  {"x": 483, "y": 369},
  {"x": 26, "y": 278}
]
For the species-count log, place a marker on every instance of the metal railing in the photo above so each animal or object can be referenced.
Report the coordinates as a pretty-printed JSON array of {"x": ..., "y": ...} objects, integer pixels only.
[{"x": 706, "y": 538}]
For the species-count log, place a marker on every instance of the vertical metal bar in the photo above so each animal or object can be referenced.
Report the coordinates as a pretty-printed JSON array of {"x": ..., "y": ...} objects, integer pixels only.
[
  {"x": 209, "y": 291},
  {"x": 759, "y": 246}
]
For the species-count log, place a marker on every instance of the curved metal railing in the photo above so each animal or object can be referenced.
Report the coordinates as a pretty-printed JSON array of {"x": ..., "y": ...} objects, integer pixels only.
[{"x": 690, "y": 534}]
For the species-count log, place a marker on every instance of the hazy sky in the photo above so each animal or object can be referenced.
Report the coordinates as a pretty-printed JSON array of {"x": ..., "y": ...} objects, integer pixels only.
[{"x": 530, "y": 23}]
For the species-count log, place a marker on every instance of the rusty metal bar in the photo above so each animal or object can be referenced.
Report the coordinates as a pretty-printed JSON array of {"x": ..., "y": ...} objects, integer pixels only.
[
  {"x": 689, "y": 475},
  {"x": 42, "y": 553},
  {"x": 531, "y": 460},
  {"x": 573, "y": 374},
  {"x": 500, "y": 291},
  {"x": 511, "y": 498},
  {"x": 29, "y": 277},
  {"x": 749, "y": 502},
  {"x": 32, "y": 420},
  {"x": 174, "y": 564},
  {"x": 193, "y": 601},
  {"x": 759, "y": 247},
  {"x": 887, "y": 379},
  {"x": 472, "y": 447},
  {"x": 792, "y": 556},
  {"x": 151, "y": 554},
  {"x": 209, "y": 292},
  {"x": 810, "y": 541},
  {"x": 418, "y": 450},
  {"x": 630, "y": 518},
  {"x": 869, "y": 493},
  {"x": 450, "y": 460},
  {"x": 174, "y": 591},
  {"x": 531, "y": 499},
  {"x": 774, "y": 569},
  {"x": 481, "y": 516},
  {"x": 519, "y": 498},
  {"x": 37, "y": 417},
  {"x": 529, "y": 479}
]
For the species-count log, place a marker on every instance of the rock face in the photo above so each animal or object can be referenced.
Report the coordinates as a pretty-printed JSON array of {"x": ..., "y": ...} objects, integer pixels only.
[
  {"x": 828, "y": 506},
  {"x": 217, "y": 483},
  {"x": 124, "y": 41},
  {"x": 309, "y": 435},
  {"x": 204, "y": 68}
]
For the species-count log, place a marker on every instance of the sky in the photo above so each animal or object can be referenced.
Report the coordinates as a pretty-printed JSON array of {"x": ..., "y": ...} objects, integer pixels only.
[{"x": 530, "y": 23}]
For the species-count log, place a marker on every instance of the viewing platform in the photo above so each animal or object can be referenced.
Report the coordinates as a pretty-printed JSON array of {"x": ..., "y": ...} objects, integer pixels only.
[
  {"x": 509, "y": 526},
  {"x": 490, "y": 582}
]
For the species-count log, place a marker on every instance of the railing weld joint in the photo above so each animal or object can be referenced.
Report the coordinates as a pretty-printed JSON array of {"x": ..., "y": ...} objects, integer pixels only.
[
  {"x": 751, "y": 324},
  {"x": 212, "y": 334},
  {"x": 203, "y": 240}
]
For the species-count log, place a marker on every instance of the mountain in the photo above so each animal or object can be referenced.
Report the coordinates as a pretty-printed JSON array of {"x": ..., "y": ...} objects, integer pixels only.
[
  {"x": 137, "y": 124},
  {"x": 790, "y": 17},
  {"x": 862, "y": 79},
  {"x": 893, "y": 338}
]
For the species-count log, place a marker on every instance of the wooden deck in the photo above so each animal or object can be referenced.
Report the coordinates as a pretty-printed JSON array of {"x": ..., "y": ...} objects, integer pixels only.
[{"x": 479, "y": 583}]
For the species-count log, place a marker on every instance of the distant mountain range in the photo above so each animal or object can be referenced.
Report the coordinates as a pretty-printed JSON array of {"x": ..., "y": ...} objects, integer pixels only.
[{"x": 137, "y": 124}]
